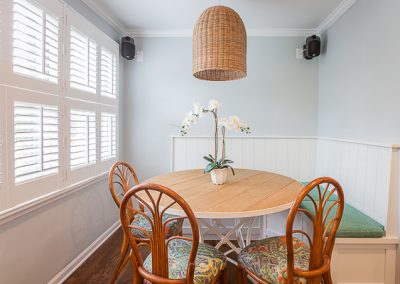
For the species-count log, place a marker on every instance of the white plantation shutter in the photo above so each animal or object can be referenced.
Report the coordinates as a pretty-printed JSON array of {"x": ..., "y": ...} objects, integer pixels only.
[
  {"x": 83, "y": 62},
  {"x": 35, "y": 42},
  {"x": 35, "y": 141},
  {"x": 108, "y": 73},
  {"x": 82, "y": 138},
  {"x": 108, "y": 136}
]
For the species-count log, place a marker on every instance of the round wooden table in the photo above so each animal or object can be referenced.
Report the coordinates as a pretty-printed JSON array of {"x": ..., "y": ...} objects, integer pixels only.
[{"x": 245, "y": 196}]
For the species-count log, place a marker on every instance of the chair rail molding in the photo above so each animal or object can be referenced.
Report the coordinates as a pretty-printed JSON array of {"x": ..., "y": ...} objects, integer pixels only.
[{"x": 18, "y": 211}]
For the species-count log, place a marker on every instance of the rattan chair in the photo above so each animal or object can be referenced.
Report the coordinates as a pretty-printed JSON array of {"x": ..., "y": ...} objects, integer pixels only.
[
  {"x": 172, "y": 260},
  {"x": 286, "y": 259},
  {"x": 121, "y": 178}
]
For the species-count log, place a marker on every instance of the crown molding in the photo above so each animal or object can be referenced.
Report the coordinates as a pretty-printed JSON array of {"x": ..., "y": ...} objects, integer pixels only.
[
  {"x": 119, "y": 27},
  {"x": 280, "y": 32},
  {"x": 340, "y": 10},
  {"x": 99, "y": 10},
  {"x": 251, "y": 32},
  {"x": 159, "y": 32}
]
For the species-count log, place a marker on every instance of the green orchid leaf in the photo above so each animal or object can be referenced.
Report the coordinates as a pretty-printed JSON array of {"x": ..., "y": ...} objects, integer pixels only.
[
  {"x": 208, "y": 159},
  {"x": 209, "y": 167}
]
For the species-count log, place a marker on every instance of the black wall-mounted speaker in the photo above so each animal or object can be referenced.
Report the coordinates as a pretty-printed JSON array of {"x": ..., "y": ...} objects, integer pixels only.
[
  {"x": 128, "y": 49},
  {"x": 312, "y": 48}
]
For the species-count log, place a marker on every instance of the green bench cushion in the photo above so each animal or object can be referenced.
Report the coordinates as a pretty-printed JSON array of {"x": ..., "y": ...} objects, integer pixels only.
[
  {"x": 314, "y": 193},
  {"x": 354, "y": 223}
]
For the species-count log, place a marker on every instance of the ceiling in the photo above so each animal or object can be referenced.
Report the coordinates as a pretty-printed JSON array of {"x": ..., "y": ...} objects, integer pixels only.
[{"x": 143, "y": 16}]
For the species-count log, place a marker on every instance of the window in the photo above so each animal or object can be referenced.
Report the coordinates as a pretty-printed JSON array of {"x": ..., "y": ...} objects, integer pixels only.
[
  {"x": 35, "y": 141},
  {"x": 35, "y": 42},
  {"x": 108, "y": 136},
  {"x": 108, "y": 73},
  {"x": 59, "y": 73},
  {"x": 83, "y": 62},
  {"x": 82, "y": 138}
]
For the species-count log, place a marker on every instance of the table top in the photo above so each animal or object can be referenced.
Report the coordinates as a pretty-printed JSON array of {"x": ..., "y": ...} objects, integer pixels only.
[{"x": 248, "y": 193}]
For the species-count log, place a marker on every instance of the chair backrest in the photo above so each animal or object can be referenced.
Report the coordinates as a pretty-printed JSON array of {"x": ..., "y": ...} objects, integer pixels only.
[
  {"x": 121, "y": 178},
  {"x": 325, "y": 222},
  {"x": 151, "y": 196}
]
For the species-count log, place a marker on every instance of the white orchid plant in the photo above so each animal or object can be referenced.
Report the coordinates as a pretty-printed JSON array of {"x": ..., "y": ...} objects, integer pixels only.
[{"x": 226, "y": 123}]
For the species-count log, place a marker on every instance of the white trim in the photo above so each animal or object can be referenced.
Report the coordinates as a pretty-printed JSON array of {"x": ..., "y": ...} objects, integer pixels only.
[
  {"x": 250, "y": 137},
  {"x": 284, "y": 32},
  {"x": 106, "y": 16},
  {"x": 34, "y": 204},
  {"x": 367, "y": 241},
  {"x": 61, "y": 276},
  {"x": 250, "y": 32},
  {"x": 339, "y": 11},
  {"x": 356, "y": 142},
  {"x": 394, "y": 145}
]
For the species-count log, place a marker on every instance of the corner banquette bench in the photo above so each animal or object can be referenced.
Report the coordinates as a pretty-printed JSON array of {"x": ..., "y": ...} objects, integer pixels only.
[
  {"x": 367, "y": 238},
  {"x": 354, "y": 223}
]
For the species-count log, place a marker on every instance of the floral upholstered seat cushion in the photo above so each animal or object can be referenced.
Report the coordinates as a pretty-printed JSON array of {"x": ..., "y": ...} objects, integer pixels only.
[
  {"x": 173, "y": 228},
  {"x": 208, "y": 264},
  {"x": 267, "y": 259}
]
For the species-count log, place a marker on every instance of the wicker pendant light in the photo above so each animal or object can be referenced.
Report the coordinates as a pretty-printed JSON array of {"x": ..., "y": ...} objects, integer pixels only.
[{"x": 219, "y": 45}]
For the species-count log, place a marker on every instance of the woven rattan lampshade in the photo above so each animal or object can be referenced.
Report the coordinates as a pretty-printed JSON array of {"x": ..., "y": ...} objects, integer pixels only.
[{"x": 219, "y": 45}]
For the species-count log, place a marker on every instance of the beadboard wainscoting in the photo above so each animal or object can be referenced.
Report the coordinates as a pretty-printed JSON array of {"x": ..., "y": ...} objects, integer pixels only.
[
  {"x": 291, "y": 156},
  {"x": 362, "y": 168}
]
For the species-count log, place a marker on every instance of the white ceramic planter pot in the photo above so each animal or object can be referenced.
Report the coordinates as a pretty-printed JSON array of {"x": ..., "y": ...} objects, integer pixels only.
[{"x": 219, "y": 176}]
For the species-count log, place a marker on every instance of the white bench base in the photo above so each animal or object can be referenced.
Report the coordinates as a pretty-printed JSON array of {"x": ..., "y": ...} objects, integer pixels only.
[{"x": 357, "y": 260}]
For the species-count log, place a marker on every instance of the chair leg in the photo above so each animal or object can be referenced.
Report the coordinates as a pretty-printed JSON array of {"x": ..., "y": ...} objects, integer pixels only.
[
  {"x": 327, "y": 278},
  {"x": 122, "y": 261},
  {"x": 223, "y": 279},
  {"x": 137, "y": 279},
  {"x": 241, "y": 275}
]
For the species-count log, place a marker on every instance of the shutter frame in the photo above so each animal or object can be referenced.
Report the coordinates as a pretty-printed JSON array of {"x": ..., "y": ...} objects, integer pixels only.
[
  {"x": 35, "y": 32},
  {"x": 83, "y": 69},
  {"x": 108, "y": 136},
  {"x": 36, "y": 136},
  {"x": 83, "y": 138}
]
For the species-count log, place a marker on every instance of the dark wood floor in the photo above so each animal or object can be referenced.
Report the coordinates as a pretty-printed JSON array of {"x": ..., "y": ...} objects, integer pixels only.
[{"x": 99, "y": 267}]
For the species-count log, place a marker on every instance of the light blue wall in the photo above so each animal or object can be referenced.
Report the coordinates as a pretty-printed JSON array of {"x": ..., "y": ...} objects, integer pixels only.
[
  {"x": 359, "y": 85},
  {"x": 278, "y": 97},
  {"x": 359, "y": 77}
]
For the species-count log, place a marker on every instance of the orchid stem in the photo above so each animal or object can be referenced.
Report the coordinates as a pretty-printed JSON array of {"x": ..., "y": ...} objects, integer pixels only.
[
  {"x": 223, "y": 143},
  {"x": 215, "y": 135}
]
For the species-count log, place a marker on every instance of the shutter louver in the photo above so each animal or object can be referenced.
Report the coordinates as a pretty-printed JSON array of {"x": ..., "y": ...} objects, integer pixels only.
[
  {"x": 108, "y": 74},
  {"x": 35, "y": 42},
  {"x": 108, "y": 136},
  {"x": 83, "y": 62},
  {"x": 82, "y": 138},
  {"x": 35, "y": 141}
]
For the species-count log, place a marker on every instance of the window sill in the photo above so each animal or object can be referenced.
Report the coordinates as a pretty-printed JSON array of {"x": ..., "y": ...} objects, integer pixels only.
[{"x": 20, "y": 210}]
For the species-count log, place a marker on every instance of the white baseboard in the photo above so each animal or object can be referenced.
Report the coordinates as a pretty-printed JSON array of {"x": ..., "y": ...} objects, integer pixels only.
[{"x": 61, "y": 276}]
